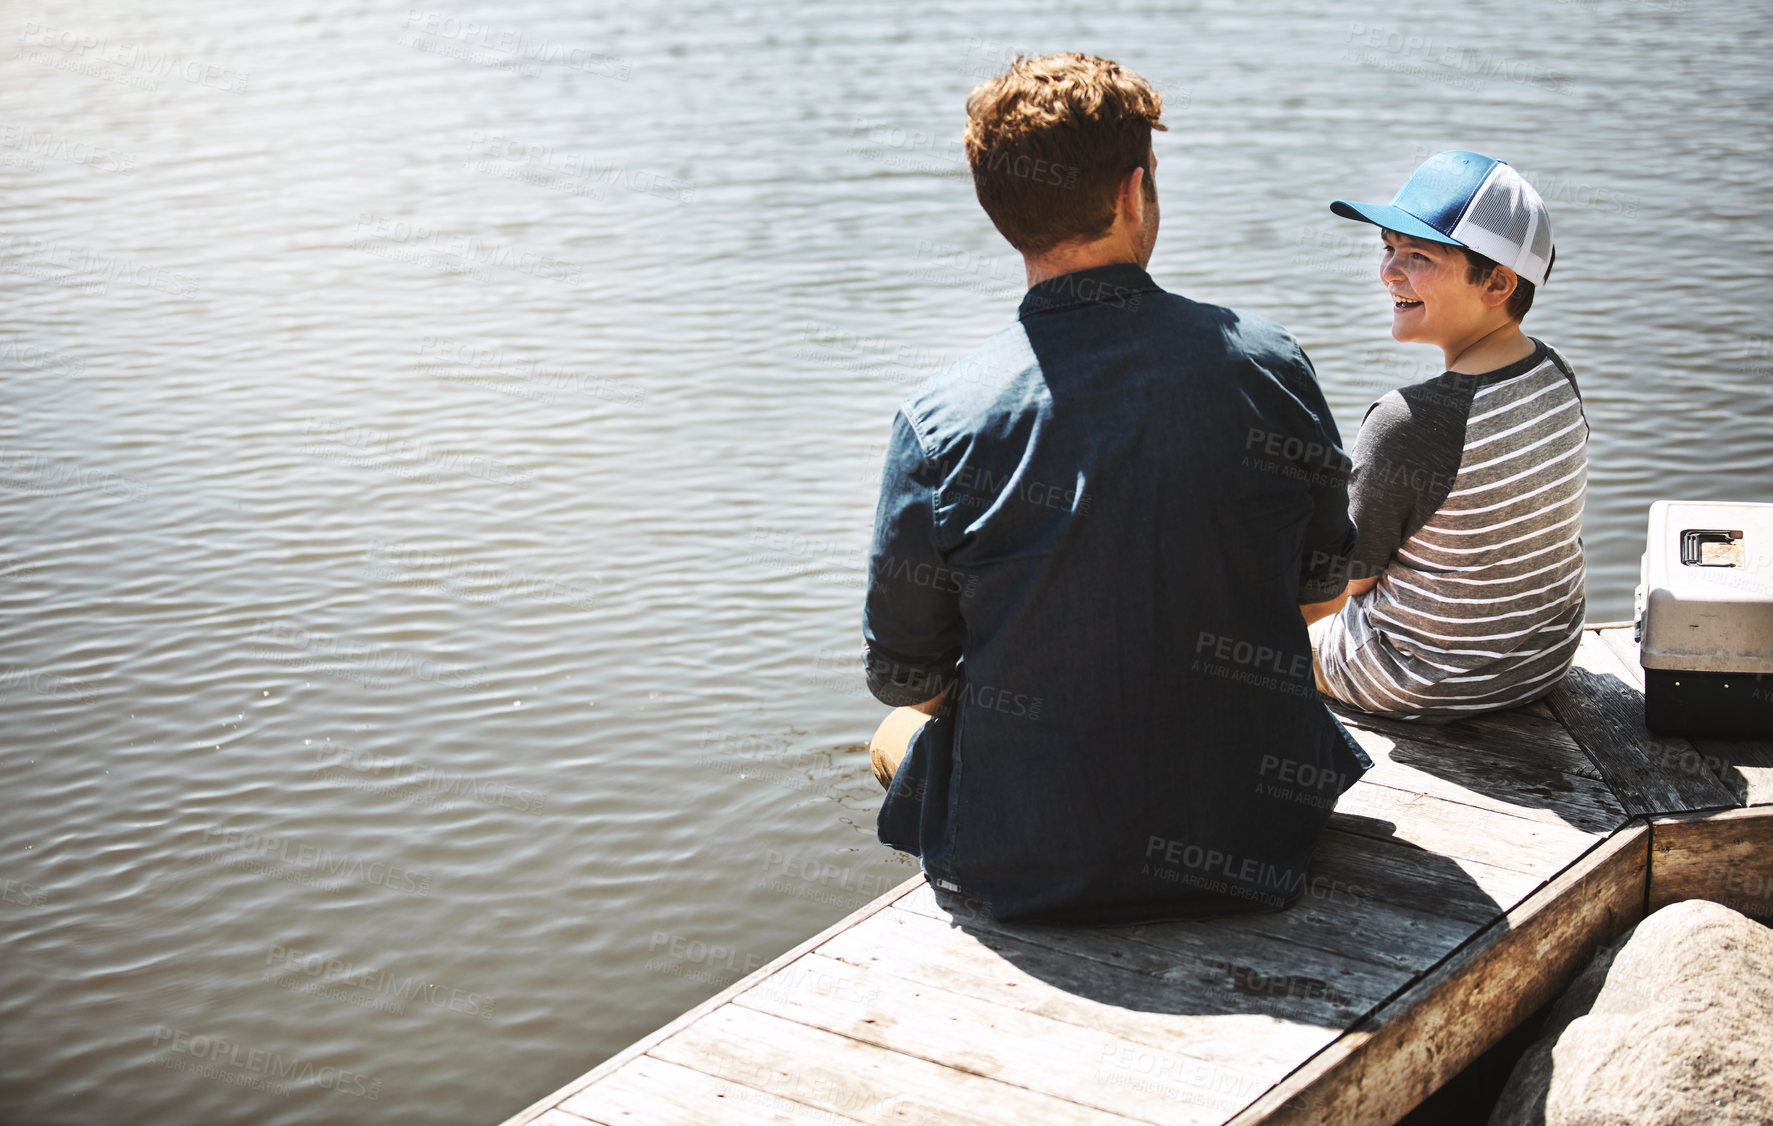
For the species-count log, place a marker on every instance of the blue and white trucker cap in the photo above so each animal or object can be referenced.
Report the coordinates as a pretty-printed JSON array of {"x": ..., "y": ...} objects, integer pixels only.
[{"x": 1464, "y": 199}]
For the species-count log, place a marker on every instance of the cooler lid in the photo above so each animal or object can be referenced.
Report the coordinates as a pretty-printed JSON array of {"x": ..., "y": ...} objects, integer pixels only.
[{"x": 1708, "y": 587}]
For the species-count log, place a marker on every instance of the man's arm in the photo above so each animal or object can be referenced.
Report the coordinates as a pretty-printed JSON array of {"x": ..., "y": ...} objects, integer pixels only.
[
  {"x": 911, "y": 620},
  {"x": 933, "y": 705},
  {"x": 1329, "y": 534},
  {"x": 1315, "y": 611}
]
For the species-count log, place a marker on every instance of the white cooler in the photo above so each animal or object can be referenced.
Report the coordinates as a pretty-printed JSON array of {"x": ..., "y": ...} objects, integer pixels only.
[{"x": 1705, "y": 620}]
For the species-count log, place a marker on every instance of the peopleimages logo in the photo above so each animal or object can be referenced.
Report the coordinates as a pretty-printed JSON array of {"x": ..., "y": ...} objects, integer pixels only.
[
  {"x": 21, "y": 893},
  {"x": 18, "y": 355},
  {"x": 359, "y": 661},
  {"x": 255, "y": 1067},
  {"x": 82, "y": 264},
  {"x": 803, "y": 876},
  {"x": 468, "y": 249},
  {"x": 310, "y": 861},
  {"x": 917, "y": 572},
  {"x": 36, "y": 474},
  {"x": 1253, "y": 664},
  {"x": 1074, "y": 288},
  {"x": 106, "y": 58},
  {"x": 44, "y": 684},
  {"x": 369, "y": 986},
  {"x": 416, "y": 783},
  {"x": 525, "y": 377},
  {"x": 514, "y": 43},
  {"x": 70, "y": 150},
  {"x": 474, "y": 579},
  {"x": 1224, "y": 873},
  {"x": 717, "y": 963},
  {"x": 1306, "y": 783}
]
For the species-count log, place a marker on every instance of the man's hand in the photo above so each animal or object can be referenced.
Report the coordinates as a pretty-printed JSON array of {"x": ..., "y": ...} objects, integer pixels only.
[
  {"x": 932, "y": 705},
  {"x": 893, "y": 737},
  {"x": 1315, "y": 611}
]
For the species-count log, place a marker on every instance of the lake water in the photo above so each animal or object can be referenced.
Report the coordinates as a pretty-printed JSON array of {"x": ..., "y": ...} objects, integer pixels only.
[{"x": 438, "y": 449}]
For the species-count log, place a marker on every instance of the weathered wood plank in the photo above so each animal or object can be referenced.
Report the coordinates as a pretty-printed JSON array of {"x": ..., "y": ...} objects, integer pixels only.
[
  {"x": 1381, "y": 901},
  {"x": 635, "y": 1050},
  {"x": 1384, "y": 1067},
  {"x": 1230, "y": 970},
  {"x": 857, "y": 1080},
  {"x": 558, "y": 1117},
  {"x": 1097, "y": 1069},
  {"x": 1388, "y": 903},
  {"x": 1260, "y": 1020},
  {"x": 656, "y": 1093},
  {"x": 1457, "y": 763},
  {"x": 1390, "y": 872},
  {"x": 1605, "y": 713},
  {"x": 1455, "y": 829},
  {"x": 1725, "y": 856},
  {"x": 1529, "y": 737},
  {"x": 1745, "y": 768},
  {"x": 1625, "y": 647}
]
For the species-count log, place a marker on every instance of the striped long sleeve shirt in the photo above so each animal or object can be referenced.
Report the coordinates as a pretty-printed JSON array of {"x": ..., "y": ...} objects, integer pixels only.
[{"x": 1467, "y": 495}]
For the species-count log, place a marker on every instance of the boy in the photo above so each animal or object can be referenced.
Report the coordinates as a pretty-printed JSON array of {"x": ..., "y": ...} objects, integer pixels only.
[{"x": 1466, "y": 586}]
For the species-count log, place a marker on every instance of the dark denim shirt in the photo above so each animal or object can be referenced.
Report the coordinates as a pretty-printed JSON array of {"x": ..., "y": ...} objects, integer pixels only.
[{"x": 1095, "y": 532}]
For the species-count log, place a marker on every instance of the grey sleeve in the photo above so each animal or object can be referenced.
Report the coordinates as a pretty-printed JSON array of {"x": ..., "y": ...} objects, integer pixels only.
[{"x": 1405, "y": 458}]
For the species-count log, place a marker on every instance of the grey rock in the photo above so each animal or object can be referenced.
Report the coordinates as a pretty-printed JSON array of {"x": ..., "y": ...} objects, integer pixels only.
[{"x": 1670, "y": 1026}]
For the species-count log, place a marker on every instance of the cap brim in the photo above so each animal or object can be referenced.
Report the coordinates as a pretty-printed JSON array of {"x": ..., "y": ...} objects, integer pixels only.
[{"x": 1392, "y": 218}]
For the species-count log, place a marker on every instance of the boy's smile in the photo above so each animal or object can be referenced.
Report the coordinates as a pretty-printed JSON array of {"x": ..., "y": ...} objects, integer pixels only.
[{"x": 1425, "y": 297}]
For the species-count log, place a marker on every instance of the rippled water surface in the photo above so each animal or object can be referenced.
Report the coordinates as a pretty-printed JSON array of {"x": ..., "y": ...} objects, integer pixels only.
[{"x": 437, "y": 450}]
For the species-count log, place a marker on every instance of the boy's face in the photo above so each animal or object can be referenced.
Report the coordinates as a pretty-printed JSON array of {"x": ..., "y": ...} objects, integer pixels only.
[{"x": 1433, "y": 299}]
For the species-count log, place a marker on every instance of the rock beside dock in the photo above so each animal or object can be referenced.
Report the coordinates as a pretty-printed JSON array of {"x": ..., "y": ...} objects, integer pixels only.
[{"x": 1670, "y": 1026}]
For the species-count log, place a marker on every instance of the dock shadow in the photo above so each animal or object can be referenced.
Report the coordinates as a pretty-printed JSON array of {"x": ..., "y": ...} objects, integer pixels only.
[
  {"x": 1374, "y": 913},
  {"x": 1743, "y": 767},
  {"x": 1610, "y": 711},
  {"x": 1504, "y": 758},
  {"x": 1214, "y": 1012}
]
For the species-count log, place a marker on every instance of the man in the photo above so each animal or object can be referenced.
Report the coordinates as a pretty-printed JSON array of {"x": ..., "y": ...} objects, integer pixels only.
[{"x": 1093, "y": 542}]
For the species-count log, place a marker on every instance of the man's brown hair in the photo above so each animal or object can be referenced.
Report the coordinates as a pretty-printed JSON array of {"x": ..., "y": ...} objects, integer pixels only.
[{"x": 1049, "y": 142}]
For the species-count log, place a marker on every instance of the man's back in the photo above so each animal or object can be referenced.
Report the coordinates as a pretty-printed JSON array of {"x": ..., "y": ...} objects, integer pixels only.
[{"x": 1109, "y": 511}]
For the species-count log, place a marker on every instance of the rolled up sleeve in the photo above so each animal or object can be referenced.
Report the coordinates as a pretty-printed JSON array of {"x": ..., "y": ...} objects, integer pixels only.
[{"x": 911, "y": 621}]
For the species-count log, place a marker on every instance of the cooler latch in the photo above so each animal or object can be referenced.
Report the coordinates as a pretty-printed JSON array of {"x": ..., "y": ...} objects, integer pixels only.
[{"x": 1710, "y": 547}]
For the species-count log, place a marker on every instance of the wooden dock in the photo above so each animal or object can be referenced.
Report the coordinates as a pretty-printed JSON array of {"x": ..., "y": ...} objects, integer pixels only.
[{"x": 1460, "y": 886}]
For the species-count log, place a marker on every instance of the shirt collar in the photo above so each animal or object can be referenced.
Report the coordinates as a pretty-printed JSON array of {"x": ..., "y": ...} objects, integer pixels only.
[
  {"x": 1113, "y": 285},
  {"x": 1507, "y": 371}
]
